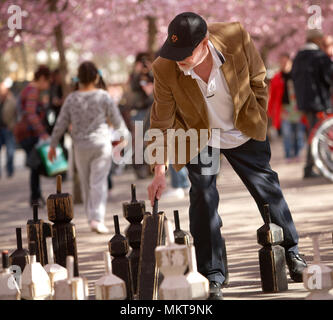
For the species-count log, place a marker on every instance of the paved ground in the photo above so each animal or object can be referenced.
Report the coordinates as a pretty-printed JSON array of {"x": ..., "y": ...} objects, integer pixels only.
[{"x": 311, "y": 203}]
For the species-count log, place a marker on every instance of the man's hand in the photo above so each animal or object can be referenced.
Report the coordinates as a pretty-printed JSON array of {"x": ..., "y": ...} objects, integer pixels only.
[
  {"x": 158, "y": 184},
  {"x": 52, "y": 154}
]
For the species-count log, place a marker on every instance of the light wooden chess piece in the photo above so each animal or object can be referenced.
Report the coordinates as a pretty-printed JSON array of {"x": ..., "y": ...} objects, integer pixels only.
[
  {"x": 55, "y": 271},
  {"x": 9, "y": 289},
  {"x": 198, "y": 283},
  {"x": 72, "y": 288},
  {"x": 36, "y": 284},
  {"x": 172, "y": 260},
  {"x": 110, "y": 287},
  {"x": 318, "y": 278}
]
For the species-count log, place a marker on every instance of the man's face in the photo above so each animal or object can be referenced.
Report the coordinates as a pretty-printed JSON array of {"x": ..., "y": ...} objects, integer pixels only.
[
  {"x": 198, "y": 55},
  {"x": 283, "y": 62}
]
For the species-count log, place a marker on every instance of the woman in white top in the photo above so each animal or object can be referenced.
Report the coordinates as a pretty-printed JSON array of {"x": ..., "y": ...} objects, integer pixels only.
[{"x": 89, "y": 110}]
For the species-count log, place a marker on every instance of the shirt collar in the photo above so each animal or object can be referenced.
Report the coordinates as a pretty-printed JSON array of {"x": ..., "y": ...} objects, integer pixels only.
[{"x": 216, "y": 61}]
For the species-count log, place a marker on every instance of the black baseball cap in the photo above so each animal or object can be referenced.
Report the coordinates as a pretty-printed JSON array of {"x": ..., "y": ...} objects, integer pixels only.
[{"x": 185, "y": 32}]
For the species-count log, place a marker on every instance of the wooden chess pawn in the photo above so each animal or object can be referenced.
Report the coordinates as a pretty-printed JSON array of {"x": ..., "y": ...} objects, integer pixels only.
[
  {"x": 72, "y": 288},
  {"x": 172, "y": 260},
  {"x": 55, "y": 271},
  {"x": 9, "y": 289},
  {"x": 20, "y": 257},
  {"x": 318, "y": 278},
  {"x": 134, "y": 212},
  {"x": 36, "y": 284},
  {"x": 110, "y": 287},
  {"x": 118, "y": 247},
  {"x": 272, "y": 256},
  {"x": 198, "y": 283}
]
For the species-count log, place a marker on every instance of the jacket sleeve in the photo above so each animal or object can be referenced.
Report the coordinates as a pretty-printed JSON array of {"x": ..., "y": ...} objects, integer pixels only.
[
  {"x": 162, "y": 117},
  {"x": 257, "y": 70}
]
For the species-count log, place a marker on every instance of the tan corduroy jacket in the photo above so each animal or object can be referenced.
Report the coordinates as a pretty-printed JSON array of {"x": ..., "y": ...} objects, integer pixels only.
[{"x": 178, "y": 101}]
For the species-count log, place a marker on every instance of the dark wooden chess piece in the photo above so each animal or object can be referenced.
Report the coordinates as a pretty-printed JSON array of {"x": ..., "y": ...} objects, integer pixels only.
[
  {"x": 134, "y": 212},
  {"x": 152, "y": 236},
  {"x": 121, "y": 265},
  {"x": 272, "y": 256},
  {"x": 38, "y": 231},
  {"x": 60, "y": 211},
  {"x": 20, "y": 257},
  {"x": 181, "y": 237}
]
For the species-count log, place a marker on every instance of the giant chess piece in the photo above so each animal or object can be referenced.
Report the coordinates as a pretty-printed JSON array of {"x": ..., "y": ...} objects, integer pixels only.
[
  {"x": 110, "y": 287},
  {"x": 134, "y": 212},
  {"x": 37, "y": 231},
  {"x": 121, "y": 266},
  {"x": 60, "y": 212},
  {"x": 9, "y": 289},
  {"x": 20, "y": 257},
  {"x": 72, "y": 288},
  {"x": 272, "y": 256},
  {"x": 181, "y": 237},
  {"x": 172, "y": 259},
  {"x": 152, "y": 237},
  {"x": 36, "y": 284},
  {"x": 318, "y": 278}
]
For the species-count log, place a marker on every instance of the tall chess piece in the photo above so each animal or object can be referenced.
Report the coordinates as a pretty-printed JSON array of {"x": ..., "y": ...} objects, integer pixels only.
[
  {"x": 272, "y": 256},
  {"x": 134, "y": 212},
  {"x": 60, "y": 212},
  {"x": 121, "y": 267}
]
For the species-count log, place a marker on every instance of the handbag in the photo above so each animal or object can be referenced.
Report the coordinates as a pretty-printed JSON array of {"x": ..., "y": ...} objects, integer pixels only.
[{"x": 58, "y": 166}]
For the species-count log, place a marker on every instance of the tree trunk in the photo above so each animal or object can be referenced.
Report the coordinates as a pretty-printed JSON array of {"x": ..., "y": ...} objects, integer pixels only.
[{"x": 152, "y": 32}]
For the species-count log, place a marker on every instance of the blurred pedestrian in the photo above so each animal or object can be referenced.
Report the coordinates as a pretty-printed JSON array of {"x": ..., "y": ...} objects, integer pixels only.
[
  {"x": 8, "y": 118},
  {"x": 283, "y": 109},
  {"x": 32, "y": 125},
  {"x": 88, "y": 110},
  {"x": 312, "y": 73}
]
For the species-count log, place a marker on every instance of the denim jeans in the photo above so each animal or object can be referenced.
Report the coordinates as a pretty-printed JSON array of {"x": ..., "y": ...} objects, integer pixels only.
[
  {"x": 35, "y": 192},
  {"x": 293, "y": 138},
  {"x": 179, "y": 179},
  {"x": 7, "y": 139},
  {"x": 251, "y": 163}
]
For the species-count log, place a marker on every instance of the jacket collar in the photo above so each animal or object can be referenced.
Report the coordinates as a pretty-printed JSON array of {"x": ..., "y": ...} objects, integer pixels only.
[{"x": 191, "y": 87}]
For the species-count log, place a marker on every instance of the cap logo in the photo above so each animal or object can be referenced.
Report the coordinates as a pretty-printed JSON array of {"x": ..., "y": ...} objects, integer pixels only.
[{"x": 174, "y": 38}]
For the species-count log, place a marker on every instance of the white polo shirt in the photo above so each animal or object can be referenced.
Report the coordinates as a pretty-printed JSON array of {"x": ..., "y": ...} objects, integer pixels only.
[{"x": 219, "y": 106}]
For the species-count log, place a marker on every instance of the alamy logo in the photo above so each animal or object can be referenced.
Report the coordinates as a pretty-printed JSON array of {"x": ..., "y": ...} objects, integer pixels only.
[
  {"x": 315, "y": 20},
  {"x": 15, "y": 20}
]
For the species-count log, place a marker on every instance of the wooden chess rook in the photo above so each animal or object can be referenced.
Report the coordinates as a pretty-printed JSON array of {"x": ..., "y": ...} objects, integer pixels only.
[
  {"x": 20, "y": 257},
  {"x": 36, "y": 284},
  {"x": 172, "y": 260},
  {"x": 72, "y": 288},
  {"x": 9, "y": 289},
  {"x": 37, "y": 231},
  {"x": 318, "y": 278},
  {"x": 272, "y": 256},
  {"x": 134, "y": 212},
  {"x": 60, "y": 211},
  {"x": 110, "y": 287},
  {"x": 152, "y": 237},
  {"x": 121, "y": 266},
  {"x": 198, "y": 283},
  {"x": 55, "y": 271}
]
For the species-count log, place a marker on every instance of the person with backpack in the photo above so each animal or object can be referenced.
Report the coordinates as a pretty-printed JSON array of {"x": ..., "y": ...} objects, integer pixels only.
[{"x": 32, "y": 126}]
